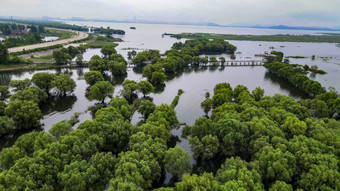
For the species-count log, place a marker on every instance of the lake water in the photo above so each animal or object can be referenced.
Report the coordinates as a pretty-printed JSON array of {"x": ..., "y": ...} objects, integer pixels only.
[
  {"x": 194, "y": 81},
  {"x": 149, "y": 36},
  {"x": 49, "y": 38}
]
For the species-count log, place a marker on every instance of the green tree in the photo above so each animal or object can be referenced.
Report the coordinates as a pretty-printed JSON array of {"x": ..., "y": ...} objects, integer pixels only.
[
  {"x": 44, "y": 81},
  {"x": 318, "y": 108},
  {"x": 258, "y": 93},
  {"x": 61, "y": 58},
  {"x": 88, "y": 175},
  {"x": 221, "y": 86},
  {"x": 20, "y": 84},
  {"x": 222, "y": 60},
  {"x": 213, "y": 60},
  {"x": 129, "y": 88},
  {"x": 6, "y": 125},
  {"x": 118, "y": 58},
  {"x": 32, "y": 93},
  {"x": 204, "y": 60},
  {"x": 156, "y": 131},
  {"x": 146, "y": 107},
  {"x": 117, "y": 68},
  {"x": 164, "y": 115},
  {"x": 221, "y": 98},
  {"x": 93, "y": 77},
  {"x": 64, "y": 84},
  {"x": 100, "y": 90},
  {"x": 275, "y": 165},
  {"x": 234, "y": 136},
  {"x": 195, "y": 182},
  {"x": 239, "y": 89},
  {"x": 25, "y": 114},
  {"x": 4, "y": 56},
  {"x": 320, "y": 177},
  {"x": 281, "y": 186},
  {"x": 236, "y": 169},
  {"x": 107, "y": 50},
  {"x": 145, "y": 87},
  {"x": 3, "y": 105},
  {"x": 293, "y": 126},
  {"x": 131, "y": 54},
  {"x": 24, "y": 146},
  {"x": 123, "y": 106},
  {"x": 206, "y": 148},
  {"x": 60, "y": 129},
  {"x": 177, "y": 161},
  {"x": 187, "y": 60},
  {"x": 72, "y": 51},
  {"x": 4, "y": 93},
  {"x": 158, "y": 78},
  {"x": 97, "y": 64},
  {"x": 79, "y": 59},
  {"x": 207, "y": 105},
  {"x": 41, "y": 29}
]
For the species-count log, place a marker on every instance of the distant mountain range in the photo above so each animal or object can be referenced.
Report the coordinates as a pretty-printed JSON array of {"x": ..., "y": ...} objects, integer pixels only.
[{"x": 283, "y": 27}]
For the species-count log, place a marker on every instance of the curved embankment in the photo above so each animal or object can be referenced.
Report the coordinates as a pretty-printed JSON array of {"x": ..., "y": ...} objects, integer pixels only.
[{"x": 77, "y": 36}]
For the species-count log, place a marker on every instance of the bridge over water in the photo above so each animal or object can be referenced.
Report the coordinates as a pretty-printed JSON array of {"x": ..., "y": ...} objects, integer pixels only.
[{"x": 226, "y": 63}]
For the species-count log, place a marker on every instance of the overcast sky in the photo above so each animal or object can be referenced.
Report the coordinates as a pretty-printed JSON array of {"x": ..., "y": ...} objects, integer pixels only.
[{"x": 223, "y": 12}]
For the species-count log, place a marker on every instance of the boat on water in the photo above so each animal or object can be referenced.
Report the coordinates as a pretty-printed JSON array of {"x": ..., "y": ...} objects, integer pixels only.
[
  {"x": 134, "y": 28},
  {"x": 338, "y": 45}
]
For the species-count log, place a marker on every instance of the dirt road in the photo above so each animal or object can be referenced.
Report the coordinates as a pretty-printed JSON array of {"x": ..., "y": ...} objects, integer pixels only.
[{"x": 77, "y": 36}]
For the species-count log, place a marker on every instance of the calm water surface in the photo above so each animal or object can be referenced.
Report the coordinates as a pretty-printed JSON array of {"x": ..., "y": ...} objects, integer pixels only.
[{"x": 49, "y": 38}]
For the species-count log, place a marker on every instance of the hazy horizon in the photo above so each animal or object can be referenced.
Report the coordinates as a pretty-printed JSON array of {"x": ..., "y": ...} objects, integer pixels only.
[{"x": 308, "y": 13}]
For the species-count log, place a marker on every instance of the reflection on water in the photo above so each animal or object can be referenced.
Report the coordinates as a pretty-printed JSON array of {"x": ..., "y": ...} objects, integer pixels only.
[
  {"x": 49, "y": 38},
  {"x": 58, "y": 104},
  {"x": 283, "y": 84}
]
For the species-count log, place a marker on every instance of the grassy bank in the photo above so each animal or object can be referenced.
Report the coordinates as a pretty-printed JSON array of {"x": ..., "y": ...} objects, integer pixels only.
[
  {"x": 102, "y": 41},
  {"x": 62, "y": 34},
  {"x": 329, "y": 37}
]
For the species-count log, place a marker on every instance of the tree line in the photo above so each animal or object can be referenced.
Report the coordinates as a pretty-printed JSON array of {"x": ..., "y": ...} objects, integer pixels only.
[
  {"x": 21, "y": 35},
  {"x": 156, "y": 67},
  {"x": 294, "y": 74}
]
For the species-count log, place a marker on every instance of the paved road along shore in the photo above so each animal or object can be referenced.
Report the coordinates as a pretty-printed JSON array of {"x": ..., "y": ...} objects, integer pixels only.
[{"x": 77, "y": 36}]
